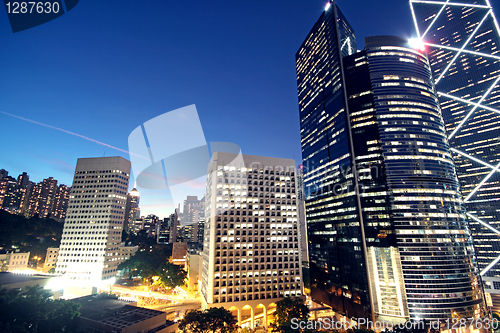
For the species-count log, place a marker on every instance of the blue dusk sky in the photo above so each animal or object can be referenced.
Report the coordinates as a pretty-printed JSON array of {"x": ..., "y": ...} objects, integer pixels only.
[{"x": 106, "y": 67}]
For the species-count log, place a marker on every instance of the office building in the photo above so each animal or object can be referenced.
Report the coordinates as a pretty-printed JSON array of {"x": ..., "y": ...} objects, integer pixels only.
[
  {"x": 132, "y": 210},
  {"x": 174, "y": 223},
  {"x": 193, "y": 214},
  {"x": 413, "y": 214},
  {"x": 251, "y": 256},
  {"x": 386, "y": 224},
  {"x": 461, "y": 40},
  {"x": 335, "y": 241},
  {"x": 89, "y": 250}
]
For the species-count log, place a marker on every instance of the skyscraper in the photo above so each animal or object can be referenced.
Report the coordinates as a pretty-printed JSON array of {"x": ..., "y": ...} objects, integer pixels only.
[
  {"x": 132, "y": 210},
  {"x": 251, "y": 255},
  {"x": 415, "y": 224},
  {"x": 93, "y": 226},
  {"x": 387, "y": 228},
  {"x": 461, "y": 39},
  {"x": 336, "y": 254},
  {"x": 193, "y": 214}
]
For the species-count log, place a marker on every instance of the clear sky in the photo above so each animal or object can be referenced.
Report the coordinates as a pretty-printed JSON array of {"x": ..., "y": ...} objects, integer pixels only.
[{"x": 106, "y": 67}]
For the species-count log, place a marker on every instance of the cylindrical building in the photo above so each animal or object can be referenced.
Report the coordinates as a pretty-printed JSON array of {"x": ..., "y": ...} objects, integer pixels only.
[{"x": 419, "y": 251}]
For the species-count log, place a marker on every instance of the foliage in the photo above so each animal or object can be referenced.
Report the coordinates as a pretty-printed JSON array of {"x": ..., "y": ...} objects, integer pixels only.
[
  {"x": 145, "y": 262},
  {"x": 170, "y": 276},
  {"x": 32, "y": 310},
  {"x": 34, "y": 234},
  {"x": 216, "y": 320},
  {"x": 287, "y": 309},
  {"x": 151, "y": 264}
]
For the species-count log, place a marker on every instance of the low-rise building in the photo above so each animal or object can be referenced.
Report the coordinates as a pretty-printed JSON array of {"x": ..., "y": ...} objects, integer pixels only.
[
  {"x": 21, "y": 281},
  {"x": 179, "y": 251},
  {"x": 125, "y": 252},
  {"x": 50, "y": 259},
  {"x": 106, "y": 314},
  {"x": 14, "y": 261}
]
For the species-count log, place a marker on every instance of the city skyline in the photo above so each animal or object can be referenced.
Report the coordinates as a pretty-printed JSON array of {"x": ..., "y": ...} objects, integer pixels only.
[{"x": 243, "y": 67}]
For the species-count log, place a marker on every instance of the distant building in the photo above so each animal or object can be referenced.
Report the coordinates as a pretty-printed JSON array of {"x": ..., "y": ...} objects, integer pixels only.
[
  {"x": 179, "y": 252},
  {"x": 50, "y": 259},
  {"x": 23, "y": 197},
  {"x": 14, "y": 261},
  {"x": 126, "y": 252},
  {"x": 174, "y": 222},
  {"x": 200, "y": 232},
  {"x": 7, "y": 188},
  {"x": 132, "y": 210},
  {"x": 194, "y": 267},
  {"x": 151, "y": 224}
]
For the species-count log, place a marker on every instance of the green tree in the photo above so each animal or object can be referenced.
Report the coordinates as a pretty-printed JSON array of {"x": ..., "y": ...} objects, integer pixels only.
[
  {"x": 170, "y": 276},
  {"x": 213, "y": 320},
  {"x": 33, "y": 310},
  {"x": 146, "y": 261},
  {"x": 286, "y": 310}
]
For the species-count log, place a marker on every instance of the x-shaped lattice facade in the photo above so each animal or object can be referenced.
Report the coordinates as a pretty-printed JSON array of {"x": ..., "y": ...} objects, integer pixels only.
[{"x": 455, "y": 52}]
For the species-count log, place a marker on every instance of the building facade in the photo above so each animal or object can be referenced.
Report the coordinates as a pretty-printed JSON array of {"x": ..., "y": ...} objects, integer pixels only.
[
  {"x": 251, "y": 256},
  {"x": 416, "y": 230},
  {"x": 329, "y": 190},
  {"x": 132, "y": 210},
  {"x": 14, "y": 261},
  {"x": 386, "y": 223},
  {"x": 461, "y": 41},
  {"x": 89, "y": 251},
  {"x": 50, "y": 259}
]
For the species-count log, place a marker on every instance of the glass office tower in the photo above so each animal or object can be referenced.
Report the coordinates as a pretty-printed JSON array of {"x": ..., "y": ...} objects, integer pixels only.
[
  {"x": 386, "y": 226},
  {"x": 338, "y": 268},
  {"x": 461, "y": 39},
  {"x": 415, "y": 223}
]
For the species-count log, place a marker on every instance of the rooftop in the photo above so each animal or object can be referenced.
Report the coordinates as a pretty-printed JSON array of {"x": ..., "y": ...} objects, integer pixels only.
[
  {"x": 110, "y": 311},
  {"x": 7, "y": 278}
]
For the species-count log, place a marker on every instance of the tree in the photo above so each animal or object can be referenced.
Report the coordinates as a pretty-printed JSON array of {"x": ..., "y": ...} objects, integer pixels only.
[
  {"x": 216, "y": 320},
  {"x": 286, "y": 310},
  {"x": 170, "y": 276},
  {"x": 145, "y": 262},
  {"x": 33, "y": 310}
]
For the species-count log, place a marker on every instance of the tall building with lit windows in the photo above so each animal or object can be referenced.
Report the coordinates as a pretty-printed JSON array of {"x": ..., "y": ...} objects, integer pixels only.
[
  {"x": 386, "y": 225},
  {"x": 462, "y": 40},
  {"x": 336, "y": 256},
  {"x": 89, "y": 251},
  {"x": 132, "y": 210},
  {"x": 251, "y": 252}
]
